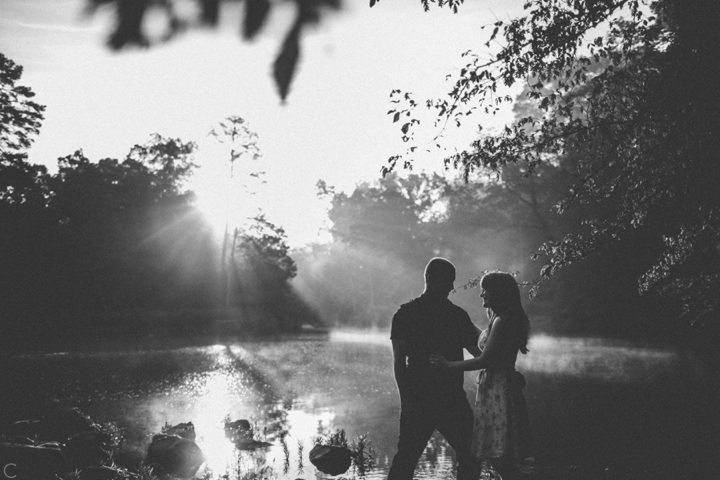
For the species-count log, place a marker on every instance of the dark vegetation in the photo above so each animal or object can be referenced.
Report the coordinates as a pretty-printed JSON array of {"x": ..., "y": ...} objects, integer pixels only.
[{"x": 117, "y": 248}]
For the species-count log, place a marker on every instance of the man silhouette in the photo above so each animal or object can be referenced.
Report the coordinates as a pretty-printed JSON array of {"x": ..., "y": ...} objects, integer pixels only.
[{"x": 432, "y": 399}]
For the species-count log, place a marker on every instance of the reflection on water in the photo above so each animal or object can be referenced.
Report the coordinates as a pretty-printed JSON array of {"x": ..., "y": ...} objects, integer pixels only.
[{"x": 293, "y": 390}]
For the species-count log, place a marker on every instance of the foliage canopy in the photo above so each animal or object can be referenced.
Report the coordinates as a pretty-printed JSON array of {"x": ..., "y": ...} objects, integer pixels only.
[{"x": 636, "y": 107}]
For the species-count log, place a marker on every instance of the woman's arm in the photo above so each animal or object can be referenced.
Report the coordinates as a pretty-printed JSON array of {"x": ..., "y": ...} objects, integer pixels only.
[{"x": 491, "y": 350}]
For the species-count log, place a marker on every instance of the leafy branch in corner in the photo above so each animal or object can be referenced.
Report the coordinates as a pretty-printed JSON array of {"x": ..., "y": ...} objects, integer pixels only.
[{"x": 129, "y": 30}]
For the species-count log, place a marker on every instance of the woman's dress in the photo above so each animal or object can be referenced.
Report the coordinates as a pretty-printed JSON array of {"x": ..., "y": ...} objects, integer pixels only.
[{"x": 501, "y": 426}]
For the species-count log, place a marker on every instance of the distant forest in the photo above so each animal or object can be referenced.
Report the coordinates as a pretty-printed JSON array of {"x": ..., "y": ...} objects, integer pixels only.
[{"x": 385, "y": 231}]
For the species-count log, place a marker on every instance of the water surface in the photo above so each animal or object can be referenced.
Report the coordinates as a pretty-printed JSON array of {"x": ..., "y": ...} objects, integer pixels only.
[{"x": 601, "y": 404}]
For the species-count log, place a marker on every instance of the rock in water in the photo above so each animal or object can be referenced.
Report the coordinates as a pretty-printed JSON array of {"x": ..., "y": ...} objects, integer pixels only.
[
  {"x": 330, "y": 459},
  {"x": 239, "y": 430},
  {"x": 184, "y": 430},
  {"x": 174, "y": 455}
]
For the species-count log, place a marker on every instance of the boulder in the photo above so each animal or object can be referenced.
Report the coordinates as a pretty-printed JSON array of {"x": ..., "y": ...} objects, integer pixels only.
[
  {"x": 174, "y": 455},
  {"x": 330, "y": 459},
  {"x": 87, "y": 449},
  {"x": 239, "y": 431},
  {"x": 184, "y": 430},
  {"x": 29, "y": 462}
]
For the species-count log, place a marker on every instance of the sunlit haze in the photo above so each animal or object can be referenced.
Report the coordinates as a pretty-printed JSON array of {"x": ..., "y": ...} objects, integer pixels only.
[{"x": 334, "y": 126}]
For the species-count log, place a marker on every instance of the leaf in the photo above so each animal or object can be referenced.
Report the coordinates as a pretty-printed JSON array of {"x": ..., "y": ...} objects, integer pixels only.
[
  {"x": 255, "y": 14},
  {"x": 396, "y": 117},
  {"x": 129, "y": 25},
  {"x": 210, "y": 12},
  {"x": 286, "y": 61}
]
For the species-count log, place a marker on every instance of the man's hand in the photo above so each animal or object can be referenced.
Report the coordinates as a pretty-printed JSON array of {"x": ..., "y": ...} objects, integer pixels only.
[{"x": 438, "y": 361}]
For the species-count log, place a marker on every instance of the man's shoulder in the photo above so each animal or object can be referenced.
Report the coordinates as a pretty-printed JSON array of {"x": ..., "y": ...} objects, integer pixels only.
[
  {"x": 413, "y": 303},
  {"x": 457, "y": 310},
  {"x": 410, "y": 306},
  {"x": 420, "y": 304}
]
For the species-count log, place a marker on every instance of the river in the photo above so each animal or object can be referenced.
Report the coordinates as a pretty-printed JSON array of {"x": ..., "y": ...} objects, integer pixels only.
[{"x": 594, "y": 404}]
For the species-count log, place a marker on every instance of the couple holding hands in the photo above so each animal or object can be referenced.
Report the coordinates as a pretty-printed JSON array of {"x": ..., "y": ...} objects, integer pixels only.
[{"x": 428, "y": 337}]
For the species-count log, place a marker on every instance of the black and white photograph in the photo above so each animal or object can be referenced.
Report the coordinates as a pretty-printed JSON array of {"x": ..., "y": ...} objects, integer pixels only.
[{"x": 359, "y": 239}]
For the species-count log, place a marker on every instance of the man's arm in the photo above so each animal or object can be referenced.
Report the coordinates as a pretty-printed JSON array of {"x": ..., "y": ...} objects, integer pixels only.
[{"x": 400, "y": 367}]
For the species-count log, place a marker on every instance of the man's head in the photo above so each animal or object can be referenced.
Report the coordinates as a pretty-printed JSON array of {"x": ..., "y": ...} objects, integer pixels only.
[{"x": 439, "y": 276}]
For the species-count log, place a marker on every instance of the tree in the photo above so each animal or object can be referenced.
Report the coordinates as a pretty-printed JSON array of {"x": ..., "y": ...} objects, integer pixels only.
[
  {"x": 262, "y": 254},
  {"x": 130, "y": 235},
  {"x": 21, "y": 117},
  {"x": 23, "y": 199},
  {"x": 386, "y": 215},
  {"x": 635, "y": 107},
  {"x": 242, "y": 141},
  {"x": 263, "y": 267},
  {"x": 100, "y": 238}
]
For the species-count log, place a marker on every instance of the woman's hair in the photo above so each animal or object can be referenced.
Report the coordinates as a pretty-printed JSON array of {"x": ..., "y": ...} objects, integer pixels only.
[{"x": 506, "y": 301}]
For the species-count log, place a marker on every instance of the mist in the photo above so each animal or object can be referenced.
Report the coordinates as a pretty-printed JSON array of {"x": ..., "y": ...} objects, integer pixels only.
[{"x": 385, "y": 232}]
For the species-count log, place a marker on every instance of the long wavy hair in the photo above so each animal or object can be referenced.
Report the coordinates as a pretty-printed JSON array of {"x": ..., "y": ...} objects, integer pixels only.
[{"x": 506, "y": 296}]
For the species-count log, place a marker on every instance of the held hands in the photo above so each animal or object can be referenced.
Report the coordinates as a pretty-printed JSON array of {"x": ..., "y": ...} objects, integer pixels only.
[{"x": 439, "y": 362}]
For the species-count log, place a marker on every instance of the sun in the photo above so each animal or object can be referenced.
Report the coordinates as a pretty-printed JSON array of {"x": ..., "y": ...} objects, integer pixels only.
[
  {"x": 225, "y": 201},
  {"x": 236, "y": 199}
]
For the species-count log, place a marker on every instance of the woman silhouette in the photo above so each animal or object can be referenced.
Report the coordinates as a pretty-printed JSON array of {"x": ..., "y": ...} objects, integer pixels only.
[{"x": 501, "y": 431}]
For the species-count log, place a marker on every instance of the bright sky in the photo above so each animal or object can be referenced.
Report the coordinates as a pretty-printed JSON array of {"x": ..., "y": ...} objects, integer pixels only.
[{"x": 334, "y": 127}]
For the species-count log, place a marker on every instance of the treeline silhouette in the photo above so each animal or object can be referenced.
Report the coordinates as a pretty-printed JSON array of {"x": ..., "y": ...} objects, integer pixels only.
[
  {"x": 117, "y": 247},
  {"x": 385, "y": 231}
]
